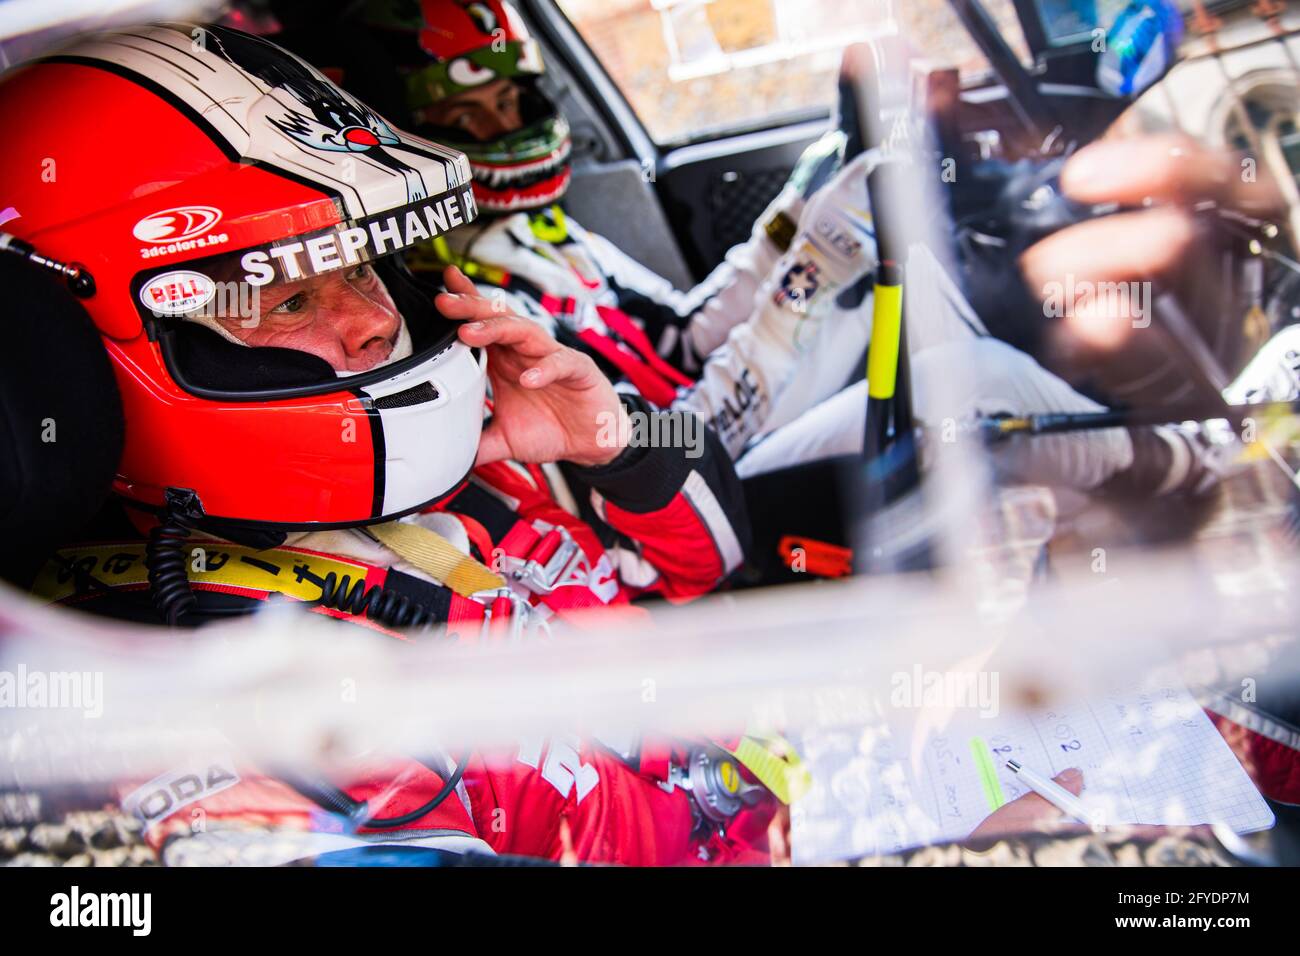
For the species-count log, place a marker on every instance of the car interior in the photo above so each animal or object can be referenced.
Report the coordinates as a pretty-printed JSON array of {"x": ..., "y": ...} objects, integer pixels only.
[{"x": 687, "y": 121}]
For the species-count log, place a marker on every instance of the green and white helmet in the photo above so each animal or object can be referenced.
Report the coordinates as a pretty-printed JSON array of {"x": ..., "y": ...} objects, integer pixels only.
[{"x": 463, "y": 45}]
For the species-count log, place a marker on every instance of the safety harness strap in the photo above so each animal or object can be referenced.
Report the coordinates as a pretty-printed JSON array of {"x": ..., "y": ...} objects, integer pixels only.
[
  {"x": 541, "y": 557},
  {"x": 773, "y": 761},
  {"x": 436, "y": 556},
  {"x": 646, "y": 381},
  {"x": 216, "y": 565}
]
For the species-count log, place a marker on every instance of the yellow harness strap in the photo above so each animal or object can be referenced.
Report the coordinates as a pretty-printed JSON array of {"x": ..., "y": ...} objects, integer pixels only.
[
  {"x": 774, "y": 762},
  {"x": 222, "y": 564},
  {"x": 210, "y": 563},
  {"x": 435, "y": 555}
]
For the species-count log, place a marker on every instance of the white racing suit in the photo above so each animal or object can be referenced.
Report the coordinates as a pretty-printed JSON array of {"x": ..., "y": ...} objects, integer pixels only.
[{"x": 959, "y": 372}]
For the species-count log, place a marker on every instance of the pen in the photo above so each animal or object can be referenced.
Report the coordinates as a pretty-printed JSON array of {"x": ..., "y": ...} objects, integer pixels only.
[{"x": 1055, "y": 794}]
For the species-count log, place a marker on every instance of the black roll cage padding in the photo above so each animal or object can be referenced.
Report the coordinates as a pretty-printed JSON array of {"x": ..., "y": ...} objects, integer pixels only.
[{"x": 1031, "y": 107}]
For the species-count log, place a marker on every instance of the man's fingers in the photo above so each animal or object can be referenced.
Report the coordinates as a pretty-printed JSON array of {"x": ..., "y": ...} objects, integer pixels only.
[
  {"x": 1122, "y": 247},
  {"x": 1169, "y": 173},
  {"x": 1164, "y": 168},
  {"x": 560, "y": 365},
  {"x": 457, "y": 282},
  {"x": 1026, "y": 814},
  {"x": 463, "y": 301},
  {"x": 1071, "y": 780},
  {"x": 527, "y": 338},
  {"x": 1036, "y": 807},
  {"x": 463, "y": 307},
  {"x": 1169, "y": 168},
  {"x": 1131, "y": 248},
  {"x": 1031, "y": 808}
]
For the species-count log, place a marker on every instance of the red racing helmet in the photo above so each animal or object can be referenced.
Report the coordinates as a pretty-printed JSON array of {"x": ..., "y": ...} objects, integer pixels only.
[{"x": 179, "y": 164}]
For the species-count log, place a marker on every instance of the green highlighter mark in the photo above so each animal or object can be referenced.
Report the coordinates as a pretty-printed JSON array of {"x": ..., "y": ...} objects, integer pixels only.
[{"x": 988, "y": 773}]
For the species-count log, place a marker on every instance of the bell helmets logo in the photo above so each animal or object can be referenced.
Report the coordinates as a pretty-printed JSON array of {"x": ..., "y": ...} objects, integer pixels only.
[
  {"x": 176, "y": 293},
  {"x": 180, "y": 229}
]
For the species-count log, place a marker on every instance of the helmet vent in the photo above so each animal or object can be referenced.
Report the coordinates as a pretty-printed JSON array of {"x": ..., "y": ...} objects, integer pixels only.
[{"x": 416, "y": 395}]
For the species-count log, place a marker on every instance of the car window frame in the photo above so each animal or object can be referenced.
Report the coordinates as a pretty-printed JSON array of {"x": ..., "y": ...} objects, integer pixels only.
[{"x": 565, "y": 40}]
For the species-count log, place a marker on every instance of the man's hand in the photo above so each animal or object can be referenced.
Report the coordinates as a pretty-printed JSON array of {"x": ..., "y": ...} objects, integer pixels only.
[
  {"x": 550, "y": 403},
  {"x": 1027, "y": 814},
  {"x": 1168, "y": 173}
]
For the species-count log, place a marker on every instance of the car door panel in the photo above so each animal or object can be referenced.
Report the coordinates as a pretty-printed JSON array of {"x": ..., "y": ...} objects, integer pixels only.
[{"x": 713, "y": 192}]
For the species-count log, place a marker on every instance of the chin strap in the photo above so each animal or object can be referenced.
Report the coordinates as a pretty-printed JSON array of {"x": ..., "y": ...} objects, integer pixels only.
[{"x": 435, "y": 555}]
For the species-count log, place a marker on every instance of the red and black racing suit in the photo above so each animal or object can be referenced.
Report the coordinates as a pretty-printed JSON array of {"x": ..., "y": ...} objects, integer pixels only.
[{"x": 660, "y": 521}]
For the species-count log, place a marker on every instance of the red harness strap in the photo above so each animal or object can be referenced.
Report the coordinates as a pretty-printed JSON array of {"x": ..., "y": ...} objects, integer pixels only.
[
  {"x": 478, "y": 536},
  {"x": 653, "y": 388},
  {"x": 635, "y": 336},
  {"x": 628, "y": 349}
]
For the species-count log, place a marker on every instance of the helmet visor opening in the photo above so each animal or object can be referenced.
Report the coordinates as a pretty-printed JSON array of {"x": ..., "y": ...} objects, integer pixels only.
[{"x": 309, "y": 314}]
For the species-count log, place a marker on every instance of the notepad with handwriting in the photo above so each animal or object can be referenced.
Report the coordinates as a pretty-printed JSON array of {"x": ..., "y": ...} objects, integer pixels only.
[{"x": 885, "y": 785}]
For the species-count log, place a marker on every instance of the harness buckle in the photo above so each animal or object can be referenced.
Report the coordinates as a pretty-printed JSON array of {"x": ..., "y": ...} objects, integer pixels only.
[
  {"x": 551, "y": 562},
  {"x": 544, "y": 578},
  {"x": 518, "y": 612}
]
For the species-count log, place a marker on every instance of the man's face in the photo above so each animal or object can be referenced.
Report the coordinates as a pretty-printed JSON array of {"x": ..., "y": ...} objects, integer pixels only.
[
  {"x": 486, "y": 113},
  {"x": 346, "y": 318}
]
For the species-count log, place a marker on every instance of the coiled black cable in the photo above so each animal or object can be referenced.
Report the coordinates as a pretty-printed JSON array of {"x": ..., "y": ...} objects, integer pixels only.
[
  {"x": 377, "y": 603},
  {"x": 169, "y": 583},
  {"x": 167, "y": 560}
]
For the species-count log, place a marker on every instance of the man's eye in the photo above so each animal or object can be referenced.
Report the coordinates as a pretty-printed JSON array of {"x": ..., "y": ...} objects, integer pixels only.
[
  {"x": 360, "y": 273},
  {"x": 291, "y": 305}
]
